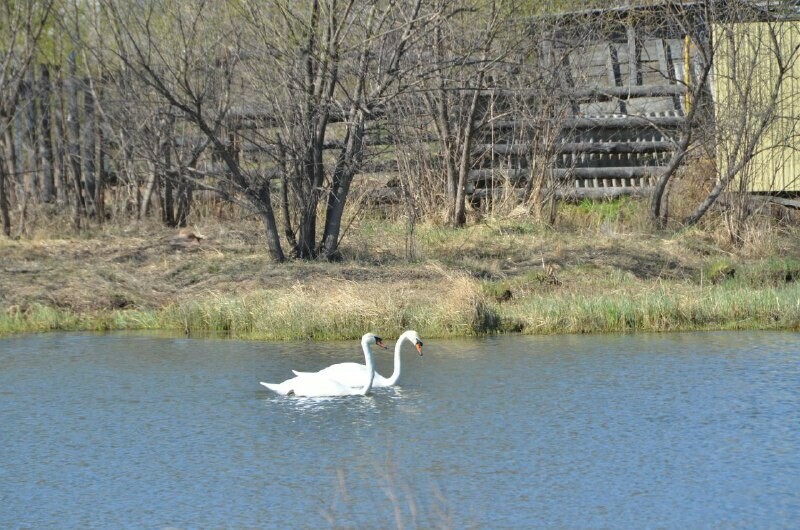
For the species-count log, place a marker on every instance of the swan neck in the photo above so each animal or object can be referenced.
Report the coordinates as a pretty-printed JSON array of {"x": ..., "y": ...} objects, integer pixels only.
[
  {"x": 398, "y": 362},
  {"x": 370, "y": 368}
]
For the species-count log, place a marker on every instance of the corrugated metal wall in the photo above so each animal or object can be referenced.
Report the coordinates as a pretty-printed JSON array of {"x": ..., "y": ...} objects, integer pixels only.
[{"x": 746, "y": 73}]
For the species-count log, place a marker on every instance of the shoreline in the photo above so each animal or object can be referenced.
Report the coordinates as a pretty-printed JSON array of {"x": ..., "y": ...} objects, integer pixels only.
[
  {"x": 505, "y": 276},
  {"x": 288, "y": 316}
]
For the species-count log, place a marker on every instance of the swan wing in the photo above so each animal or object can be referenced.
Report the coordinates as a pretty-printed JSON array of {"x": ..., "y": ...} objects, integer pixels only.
[
  {"x": 311, "y": 385},
  {"x": 315, "y": 385},
  {"x": 349, "y": 374}
]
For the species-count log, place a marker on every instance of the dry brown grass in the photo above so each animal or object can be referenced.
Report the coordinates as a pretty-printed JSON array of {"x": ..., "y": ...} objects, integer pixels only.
[{"x": 456, "y": 285}]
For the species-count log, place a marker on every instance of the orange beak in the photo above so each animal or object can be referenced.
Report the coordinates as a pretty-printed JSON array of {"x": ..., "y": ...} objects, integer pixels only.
[
  {"x": 380, "y": 343},
  {"x": 419, "y": 348}
]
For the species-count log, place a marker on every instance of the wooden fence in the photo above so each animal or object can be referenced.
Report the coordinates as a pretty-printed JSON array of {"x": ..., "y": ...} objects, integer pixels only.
[{"x": 625, "y": 104}]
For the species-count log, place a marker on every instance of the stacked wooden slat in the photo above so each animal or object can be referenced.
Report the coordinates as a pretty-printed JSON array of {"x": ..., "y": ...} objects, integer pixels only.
[{"x": 627, "y": 102}]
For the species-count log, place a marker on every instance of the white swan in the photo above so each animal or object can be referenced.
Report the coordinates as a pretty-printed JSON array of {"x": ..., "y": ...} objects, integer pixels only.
[
  {"x": 353, "y": 374},
  {"x": 318, "y": 385}
]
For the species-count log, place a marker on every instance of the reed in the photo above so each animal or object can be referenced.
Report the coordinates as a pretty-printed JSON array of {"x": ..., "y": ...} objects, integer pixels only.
[
  {"x": 454, "y": 307},
  {"x": 38, "y": 318},
  {"x": 457, "y": 307},
  {"x": 667, "y": 309}
]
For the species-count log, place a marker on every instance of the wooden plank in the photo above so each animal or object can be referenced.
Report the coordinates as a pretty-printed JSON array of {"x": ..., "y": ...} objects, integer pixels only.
[
  {"x": 580, "y": 147},
  {"x": 502, "y": 149},
  {"x": 614, "y": 74},
  {"x": 570, "y": 193},
  {"x": 662, "y": 59},
  {"x": 650, "y": 50},
  {"x": 783, "y": 201},
  {"x": 649, "y": 106},
  {"x": 600, "y": 108},
  {"x": 564, "y": 174},
  {"x": 625, "y": 122},
  {"x": 606, "y": 172},
  {"x": 489, "y": 175},
  {"x": 599, "y": 93},
  {"x": 593, "y": 75},
  {"x": 585, "y": 57},
  {"x": 612, "y": 64},
  {"x": 566, "y": 79},
  {"x": 614, "y": 147},
  {"x": 634, "y": 58},
  {"x": 666, "y": 120}
]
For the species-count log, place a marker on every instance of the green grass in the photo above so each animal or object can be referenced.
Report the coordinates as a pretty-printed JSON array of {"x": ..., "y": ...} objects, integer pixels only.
[
  {"x": 38, "y": 318},
  {"x": 469, "y": 310},
  {"x": 666, "y": 309}
]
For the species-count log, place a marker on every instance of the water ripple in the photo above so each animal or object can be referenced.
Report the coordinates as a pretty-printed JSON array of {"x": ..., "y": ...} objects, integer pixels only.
[{"x": 671, "y": 430}]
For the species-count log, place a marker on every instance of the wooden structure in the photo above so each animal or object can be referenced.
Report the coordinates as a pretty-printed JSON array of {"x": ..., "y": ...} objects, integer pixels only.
[
  {"x": 745, "y": 73},
  {"x": 624, "y": 99}
]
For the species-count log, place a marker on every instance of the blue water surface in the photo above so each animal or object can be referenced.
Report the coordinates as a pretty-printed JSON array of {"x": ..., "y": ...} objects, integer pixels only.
[{"x": 697, "y": 430}]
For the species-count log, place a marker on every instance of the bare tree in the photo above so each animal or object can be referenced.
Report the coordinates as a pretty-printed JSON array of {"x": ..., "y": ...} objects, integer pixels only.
[
  {"x": 328, "y": 68},
  {"x": 463, "y": 59},
  {"x": 21, "y": 27},
  {"x": 185, "y": 55},
  {"x": 542, "y": 102},
  {"x": 696, "y": 86}
]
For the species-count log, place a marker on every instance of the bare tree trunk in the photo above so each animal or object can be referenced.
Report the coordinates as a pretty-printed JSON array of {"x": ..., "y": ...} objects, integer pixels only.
[
  {"x": 168, "y": 211},
  {"x": 148, "y": 190},
  {"x": 89, "y": 146},
  {"x": 4, "y": 200},
  {"x": 288, "y": 231},
  {"x": 690, "y": 123},
  {"x": 100, "y": 154},
  {"x": 349, "y": 161},
  {"x": 441, "y": 114},
  {"x": 74, "y": 130},
  {"x": 18, "y": 161},
  {"x": 411, "y": 220},
  {"x": 169, "y": 175},
  {"x": 346, "y": 167},
  {"x": 45, "y": 136},
  {"x": 310, "y": 183},
  {"x": 31, "y": 140},
  {"x": 270, "y": 226},
  {"x": 184, "y": 200},
  {"x": 657, "y": 215},
  {"x": 11, "y": 153},
  {"x": 459, "y": 210},
  {"x": 60, "y": 159}
]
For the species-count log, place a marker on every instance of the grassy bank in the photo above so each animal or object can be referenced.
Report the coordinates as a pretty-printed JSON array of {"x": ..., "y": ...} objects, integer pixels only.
[
  {"x": 592, "y": 273},
  {"x": 345, "y": 314}
]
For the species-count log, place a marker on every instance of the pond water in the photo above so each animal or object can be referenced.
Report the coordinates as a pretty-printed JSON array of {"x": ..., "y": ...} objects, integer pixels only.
[{"x": 672, "y": 430}]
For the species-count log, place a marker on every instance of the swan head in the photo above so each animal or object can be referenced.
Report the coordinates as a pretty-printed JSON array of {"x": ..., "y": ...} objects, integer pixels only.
[
  {"x": 371, "y": 339},
  {"x": 413, "y": 337}
]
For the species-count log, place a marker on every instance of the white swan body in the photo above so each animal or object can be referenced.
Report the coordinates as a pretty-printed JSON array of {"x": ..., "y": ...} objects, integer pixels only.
[
  {"x": 353, "y": 374},
  {"x": 318, "y": 385}
]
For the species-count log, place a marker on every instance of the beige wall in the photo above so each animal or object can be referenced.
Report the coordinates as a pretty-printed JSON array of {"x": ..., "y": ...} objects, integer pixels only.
[{"x": 746, "y": 71}]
